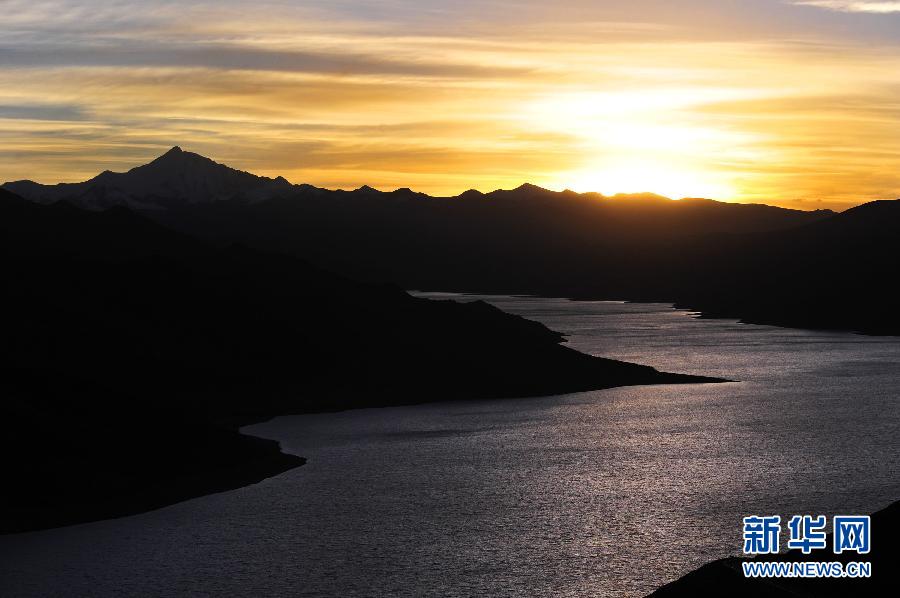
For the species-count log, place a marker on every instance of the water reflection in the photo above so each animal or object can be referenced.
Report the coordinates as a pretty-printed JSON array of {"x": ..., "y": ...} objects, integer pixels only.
[{"x": 606, "y": 493}]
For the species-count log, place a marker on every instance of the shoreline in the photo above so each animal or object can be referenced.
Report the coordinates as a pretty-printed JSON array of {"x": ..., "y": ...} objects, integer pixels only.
[
  {"x": 708, "y": 313},
  {"x": 254, "y": 459}
]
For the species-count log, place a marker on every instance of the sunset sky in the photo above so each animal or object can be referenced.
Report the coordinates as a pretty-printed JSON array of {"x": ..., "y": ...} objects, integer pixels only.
[{"x": 795, "y": 103}]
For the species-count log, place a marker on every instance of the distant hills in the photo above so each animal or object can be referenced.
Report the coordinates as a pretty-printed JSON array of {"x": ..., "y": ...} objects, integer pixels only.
[
  {"x": 131, "y": 353},
  {"x": 178, "y": 178},
  {"x": 757, "y": 263}
]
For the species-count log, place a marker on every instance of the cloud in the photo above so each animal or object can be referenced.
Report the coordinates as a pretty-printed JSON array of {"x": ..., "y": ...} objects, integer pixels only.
[
  {"x": 443, "y": 97},
  {"x": 42, "y": 112},
  {"x": 229, "y": 57},
  {"x": 853, "y": 6}
]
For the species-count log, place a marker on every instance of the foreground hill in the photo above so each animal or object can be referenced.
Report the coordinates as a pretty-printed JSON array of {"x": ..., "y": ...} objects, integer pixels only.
[{"x": 131, "y": 354}]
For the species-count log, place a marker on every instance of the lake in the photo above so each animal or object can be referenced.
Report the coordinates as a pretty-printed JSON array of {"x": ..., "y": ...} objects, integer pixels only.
[{"x": 606, "y": 493}]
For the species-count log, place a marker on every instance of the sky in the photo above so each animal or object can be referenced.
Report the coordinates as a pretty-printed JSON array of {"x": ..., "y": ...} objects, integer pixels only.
[{"x": 794, "y": 103}]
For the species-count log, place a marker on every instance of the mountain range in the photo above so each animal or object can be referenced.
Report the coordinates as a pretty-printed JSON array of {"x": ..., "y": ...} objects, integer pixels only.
[
  {"x": 757, "y": 263},
  {"x": 178, "y": 178}
]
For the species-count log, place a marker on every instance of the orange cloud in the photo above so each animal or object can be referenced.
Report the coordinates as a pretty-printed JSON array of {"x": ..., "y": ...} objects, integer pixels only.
[{"x": 599, "y": 105}]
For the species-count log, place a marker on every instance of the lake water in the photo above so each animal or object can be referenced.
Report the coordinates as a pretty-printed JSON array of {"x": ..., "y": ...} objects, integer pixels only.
[{"x": 607, "y": 493}]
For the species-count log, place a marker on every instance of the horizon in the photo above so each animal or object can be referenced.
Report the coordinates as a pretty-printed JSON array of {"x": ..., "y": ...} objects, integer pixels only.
[
  {"x": 484, "y": 191},
  {"x": 733, "y": 101}
]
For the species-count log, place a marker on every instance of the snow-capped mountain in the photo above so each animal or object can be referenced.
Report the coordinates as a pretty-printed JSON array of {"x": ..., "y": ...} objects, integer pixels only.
[{"x": 175, "y": 178}]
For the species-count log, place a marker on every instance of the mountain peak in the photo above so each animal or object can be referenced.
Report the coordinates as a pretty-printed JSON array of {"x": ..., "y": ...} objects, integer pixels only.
[
  {"x": 174, "y": 178},
  {"x": 177, "y": 155},
  {"x": 529, "y": 188}
]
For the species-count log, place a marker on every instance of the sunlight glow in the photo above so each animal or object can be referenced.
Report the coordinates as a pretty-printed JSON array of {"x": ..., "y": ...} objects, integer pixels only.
[
  {"x": 770, "y": 104},
  {"x": 645, "y": 141},
  {"x": 648, "y": 176}
]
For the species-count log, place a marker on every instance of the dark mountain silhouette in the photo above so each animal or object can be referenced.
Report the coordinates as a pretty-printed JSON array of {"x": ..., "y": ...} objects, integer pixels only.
[
  {"x": 753, "y": 262},
  {"x": 831, "y": 274},
  {"x": 757, "y": 263},
  {"x": 175, "y": 177},
  {"x": 527, "y": 240},
  {"x": 131, "y": 353},
  {"x": 725, "y": 577},
  {"x": 179, "y": 178}
]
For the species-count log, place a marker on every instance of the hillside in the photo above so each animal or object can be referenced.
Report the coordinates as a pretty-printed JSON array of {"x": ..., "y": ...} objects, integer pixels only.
[{"x": 133, "y": 352}]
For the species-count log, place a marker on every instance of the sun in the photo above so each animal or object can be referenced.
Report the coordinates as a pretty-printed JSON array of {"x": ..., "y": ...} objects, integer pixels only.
[
  {"x": 649, "y": 141},
  {"x": 648, "y": 176}
]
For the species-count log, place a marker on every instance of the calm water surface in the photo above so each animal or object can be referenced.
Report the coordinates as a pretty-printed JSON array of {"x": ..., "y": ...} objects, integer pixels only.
[{"x": 608, "y": 493}]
